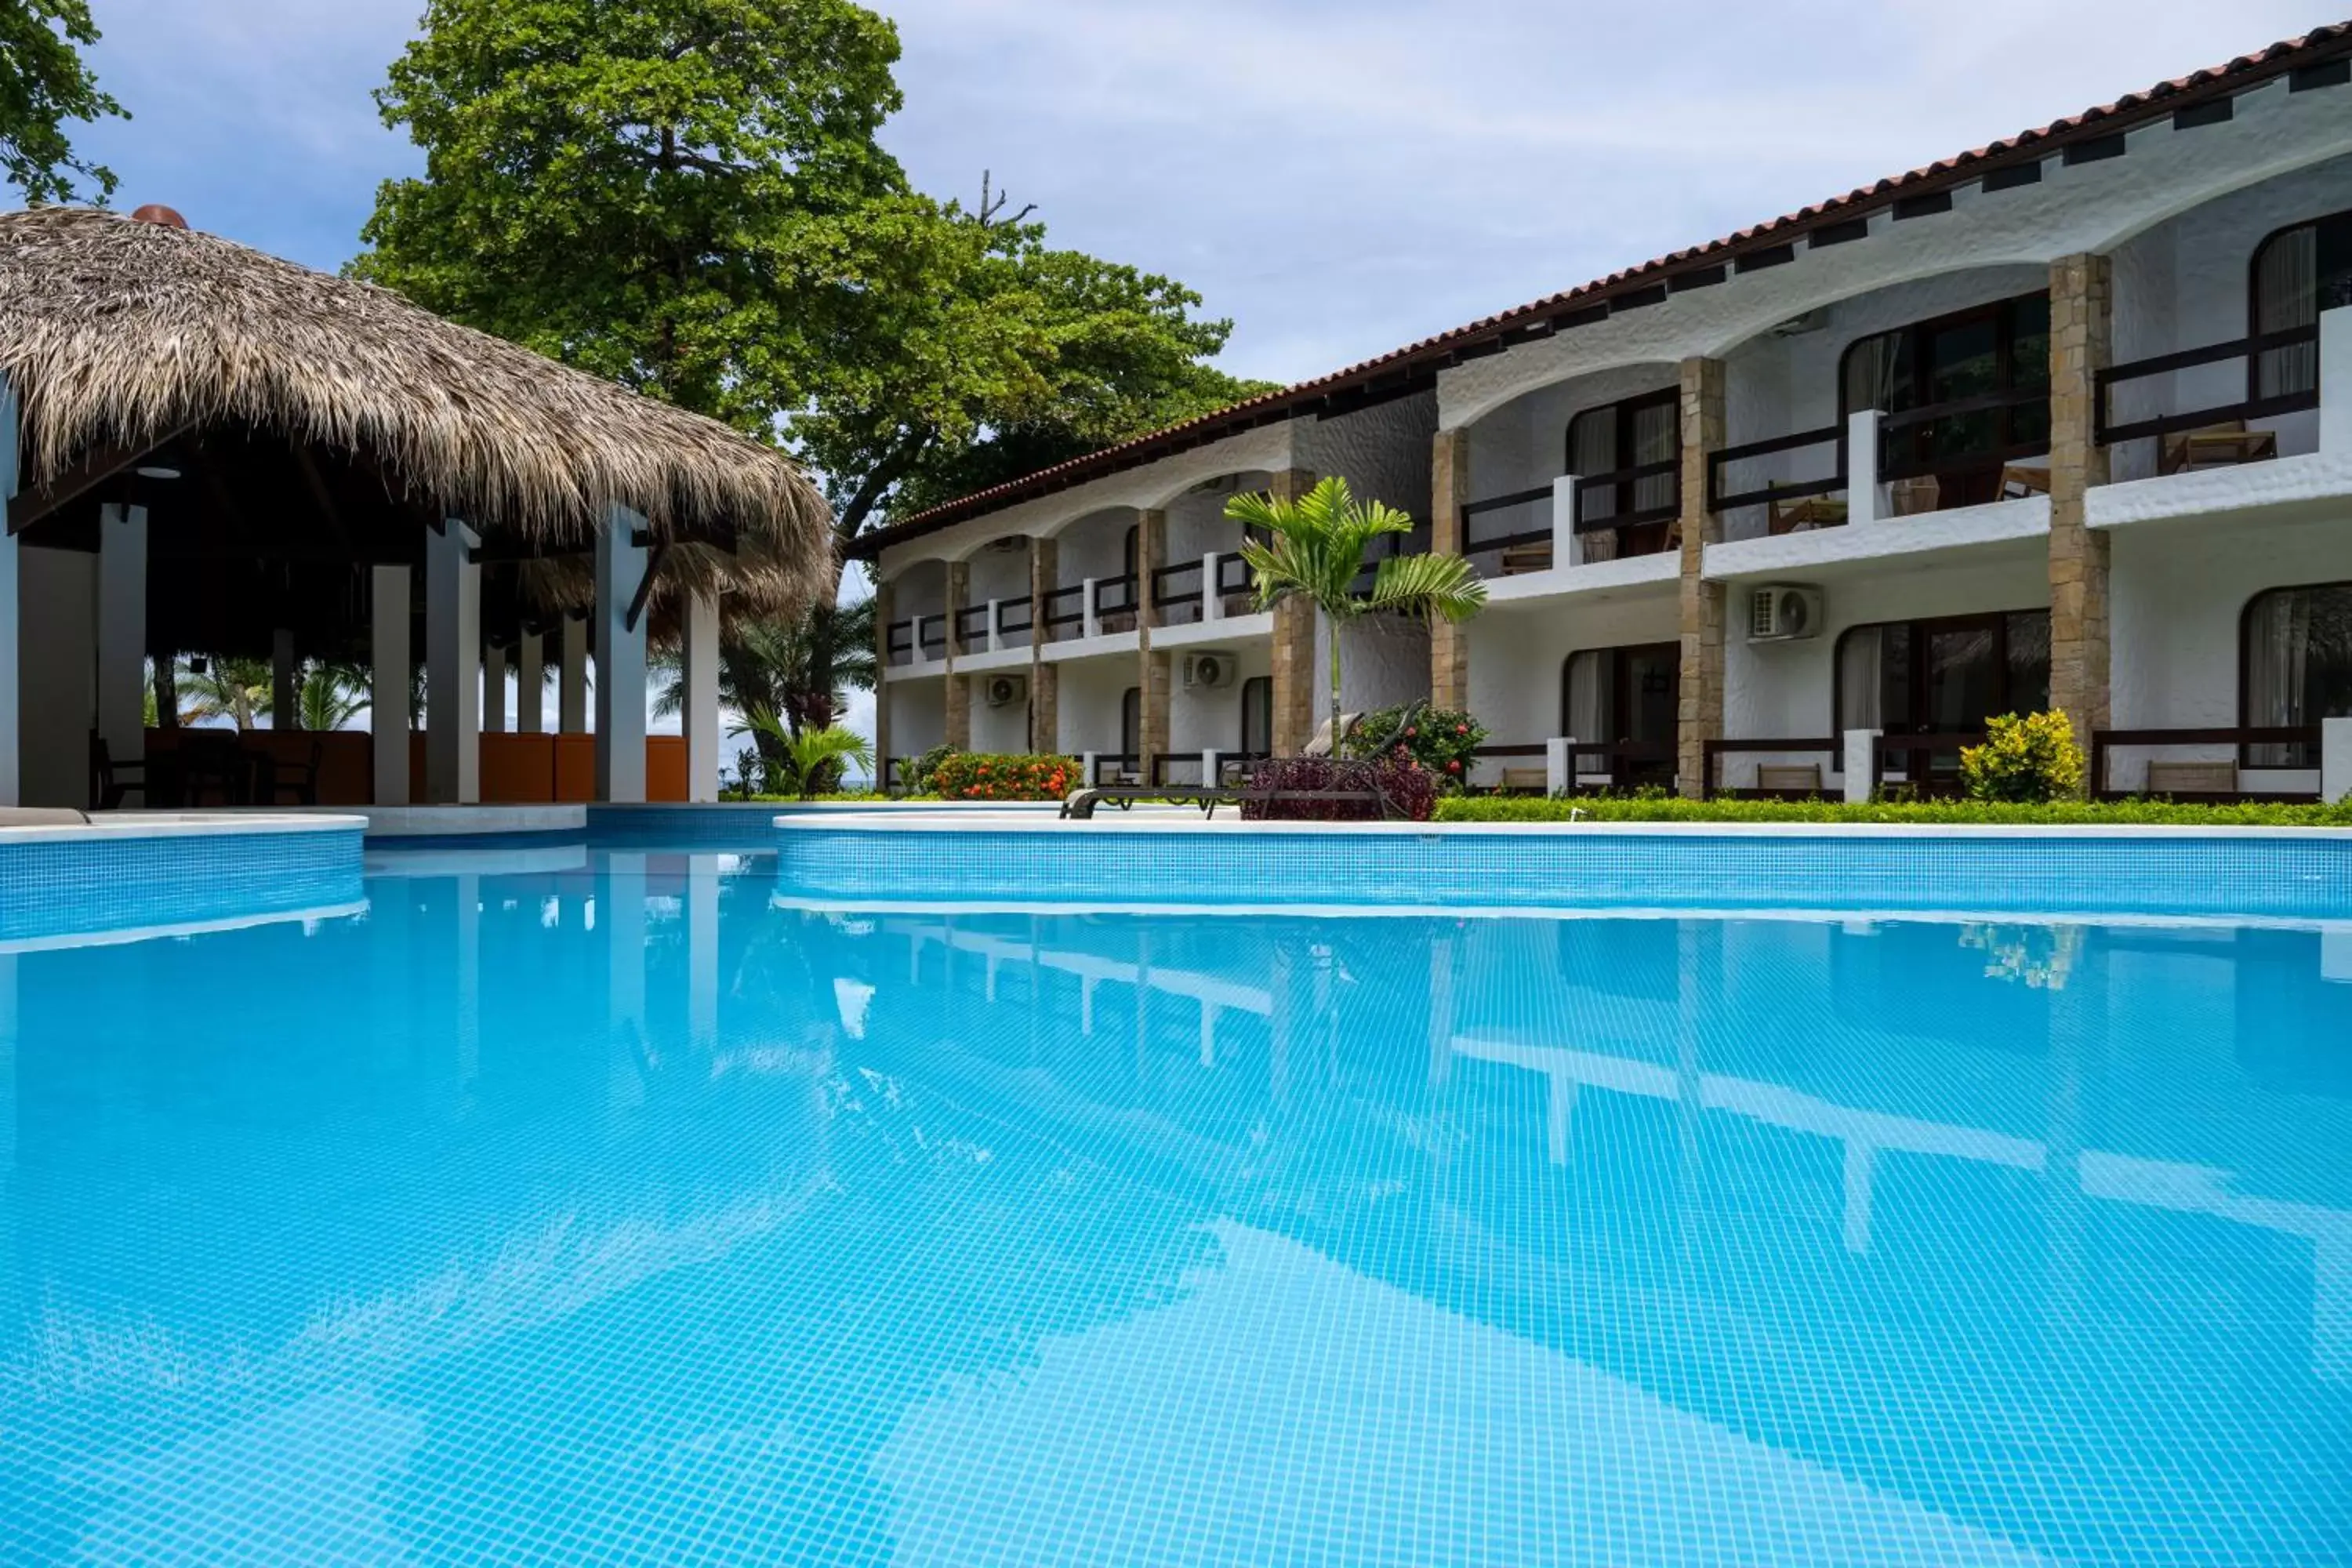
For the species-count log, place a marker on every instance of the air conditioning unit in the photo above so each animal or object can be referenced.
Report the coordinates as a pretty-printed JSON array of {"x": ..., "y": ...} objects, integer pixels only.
[
  {"x": 1005, "y": 690},
  {"x": 1210, "y": 669},
  {"x": 1784, "y": 612}
]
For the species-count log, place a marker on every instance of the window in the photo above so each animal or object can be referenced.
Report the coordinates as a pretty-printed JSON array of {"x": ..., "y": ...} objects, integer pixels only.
[
  {"x": 1990, "y": 351},
  {"x": 1258, "y": 716},
  {"x": 2296, "y": 666},
  {"x": 1629, "y": 434},
  {"x": 1624, "y": 696},
  {"x": 1942, "y": 676},
  {"x": 2298, "y": 273},
  {"x": 1130, "y": 722}
]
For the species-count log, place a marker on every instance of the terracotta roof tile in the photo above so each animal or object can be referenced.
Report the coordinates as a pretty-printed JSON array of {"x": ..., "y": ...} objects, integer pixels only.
[{"x": 1422, "y": 357}]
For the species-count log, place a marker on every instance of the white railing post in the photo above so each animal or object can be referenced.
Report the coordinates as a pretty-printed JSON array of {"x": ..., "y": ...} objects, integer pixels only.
[
  {"x": 2335, "y": 760},
  {"x": 1861, "y": 758},
  {"x": 1566, "y": 548},
  {"x": 1862, "y": 467},
  {"x": 1212, "y": 603},
  {"x": 1087, "y": 769},
  {"x": 1208, "y": 768},
  {"x": 2336, "y": 382},
  {"x": 1090, "y": 621},
  {"x": 995, "y": 632},
  {"x": 1560, "y": 776}
]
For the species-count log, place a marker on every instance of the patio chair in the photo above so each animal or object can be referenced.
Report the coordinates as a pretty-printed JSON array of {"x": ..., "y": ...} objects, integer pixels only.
[
  {"x": 1519, "y": 781},
  {"x": 274, "y": 779},
  {"x": 1804, "y": 516},
  {"x": 1804, "y": 778},
  {"x": 2192, "y": 778},
  {"x": 113, "y": 780},
  {"x": 2019, "y": 480},
  {"x": 2222, "y": 446},
  {"x": 1320, "y": 746},
  {"x": 1915, "y": 496},
  {"x": 1520, "y": 559}
]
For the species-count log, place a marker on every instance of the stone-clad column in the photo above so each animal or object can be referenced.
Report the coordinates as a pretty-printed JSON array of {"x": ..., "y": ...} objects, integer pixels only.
[
  {"x": 1449, "y": 643},
  {"x": 1044, "y": 675},
  {"x": 1299, "y": 683},
  {"x": 959, "y": 688},
  {"x": 1150, "y": 554},
  {"x": 1699, "y": 717},
  {"x": 2081, "y": 315}
]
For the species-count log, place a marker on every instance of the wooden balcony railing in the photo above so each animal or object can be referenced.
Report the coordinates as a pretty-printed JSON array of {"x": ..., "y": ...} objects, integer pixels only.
[
  {"x": 2242, "y": 739},
  {"x": 1515, "y": 531},
  {"x": 2249, "y": 350},
  {"x": 971, "y": 627},
  {"x": 898, "y": 641},
  {"x": 1972, "y": 459},
  {"x": 1719, "y": 498},
  {"x": 1013, "y": 617},
  {"x": 1064, "y": 610},
  {"x": 1714, "y": 751},
  {"x": 1915, "y": 757},
  {"x": 1113, "y": 767}
]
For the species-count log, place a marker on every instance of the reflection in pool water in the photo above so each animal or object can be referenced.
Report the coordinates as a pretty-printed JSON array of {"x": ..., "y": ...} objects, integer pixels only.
[{"x": 602, "y": 1206}]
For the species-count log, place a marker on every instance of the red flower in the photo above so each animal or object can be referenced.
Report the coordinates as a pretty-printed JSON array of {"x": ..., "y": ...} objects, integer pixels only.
[
  {"x": 1461, "y": 729},
  {"x": 1455, "y": 766},
  {"x": 1412, "y": 733}
]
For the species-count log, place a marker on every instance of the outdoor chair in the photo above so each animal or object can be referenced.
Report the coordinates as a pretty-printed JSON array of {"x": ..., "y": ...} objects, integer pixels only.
[
  {"x": 2222, "y": 446},
  {"x": 1913, "y": 496},
  {"x": 2192, "y": 778},
  {"x": 1520, "y": 559},
  {"x": 1804, "y": 516},
  {"x": 113, "y": 780},
  {"x": 1523, "y": 781},
  {"x": 1805, "y": 779},
  {"x": 274, "y": 779}
]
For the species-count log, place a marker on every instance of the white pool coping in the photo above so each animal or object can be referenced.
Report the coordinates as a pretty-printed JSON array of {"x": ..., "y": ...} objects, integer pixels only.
[
  {"x": 1186, "y": 821},
  {"x": 111, "y": 826}
]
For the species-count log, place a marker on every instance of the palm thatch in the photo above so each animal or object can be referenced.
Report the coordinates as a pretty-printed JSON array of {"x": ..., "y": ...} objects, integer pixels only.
[{"x": 118, "y": 333}]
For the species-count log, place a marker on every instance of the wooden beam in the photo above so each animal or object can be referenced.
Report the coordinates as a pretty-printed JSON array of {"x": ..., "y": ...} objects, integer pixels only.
[
  {"x": 98, "y": 465},
  {"x": 645, "y": 586}
]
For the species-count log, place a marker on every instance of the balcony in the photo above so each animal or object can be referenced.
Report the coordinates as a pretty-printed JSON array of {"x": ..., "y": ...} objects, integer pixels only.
[{"x": 1179, "y": 598}]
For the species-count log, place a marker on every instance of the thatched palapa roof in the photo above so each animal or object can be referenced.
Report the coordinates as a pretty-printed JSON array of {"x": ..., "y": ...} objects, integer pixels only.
[{"x": 121, "y": 335}]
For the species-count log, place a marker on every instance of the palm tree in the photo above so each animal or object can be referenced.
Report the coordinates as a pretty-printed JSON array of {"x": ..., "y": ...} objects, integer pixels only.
[
  {"x": 805, "y": 763},
  {"x": 332, "y": 694},
  {"x": 768, "y": 667},
  {"x": 232, "y": 689},
  {"x": 1313, "y": 548}
]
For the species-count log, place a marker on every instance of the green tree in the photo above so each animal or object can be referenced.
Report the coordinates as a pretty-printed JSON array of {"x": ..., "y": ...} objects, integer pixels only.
[
  {"x": 232, "y": 689},
  {"x": 331, "y": 694},
  {"x": 44, "y": 83},
  {"x": 808, "y": 761},
  {"x": 1313, "y": 548},
  {"x": 769, "y": 667}
]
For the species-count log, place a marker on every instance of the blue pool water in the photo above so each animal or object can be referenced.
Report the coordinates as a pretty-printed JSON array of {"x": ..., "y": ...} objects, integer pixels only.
[{"x": 581, "y": 1206}]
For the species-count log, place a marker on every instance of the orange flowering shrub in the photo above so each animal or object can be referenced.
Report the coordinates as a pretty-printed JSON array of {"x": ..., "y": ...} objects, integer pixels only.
[{"x": 981, "y": 776}]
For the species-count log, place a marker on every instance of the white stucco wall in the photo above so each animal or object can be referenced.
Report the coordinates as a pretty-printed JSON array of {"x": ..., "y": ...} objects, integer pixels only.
[
  {"x": 1516, "y": 653},
  {"x": 57, "y": 648},
  {"x": 1383, "y": 661},
  {"x": 1206, "y": 717},
  {"x": 1090, "y": 701},
  {"x": 1787, "y": 689},
  {"x": 2187, "y": 282},
  {"x": 2179, "y": 591},
  {"x": 918, "y": 715},
  {"x": 1383, "y": 451},
  {"x": 1004, "y": 729},
  {"x": 999, "y": 573},
  {"x": 1092, "y": 546},
  {"x": 1196, "y": 520}
]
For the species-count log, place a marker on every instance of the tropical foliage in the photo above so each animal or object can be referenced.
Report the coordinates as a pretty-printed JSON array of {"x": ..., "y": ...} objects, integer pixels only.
[
  {"x": 2057, "y": 812},
  {"x": 331, "y": 694},
  {"x": 2032, "y": 759},
  {"x": 772, "y": 666},
  {"x": 237, "y": 690},
  {"x": 1441, "y": 739},
  {"x": 983, "y": 775},
  {"x": 1313, "y": 548},
  {"x": 44, "y": 83},
  {"x": 806, "y": 763},
  {"x": 1331, "y": 789}
]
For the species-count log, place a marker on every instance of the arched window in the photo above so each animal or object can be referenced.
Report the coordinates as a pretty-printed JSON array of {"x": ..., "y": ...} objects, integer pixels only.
[
  {"x": 1626, "y": 699},
  {"x": 1258, "y": 716},
  {"x": 2298, "y": 272},
  {"x": 1632, "y": 433},
  {"x": 2294, "y": 664}
]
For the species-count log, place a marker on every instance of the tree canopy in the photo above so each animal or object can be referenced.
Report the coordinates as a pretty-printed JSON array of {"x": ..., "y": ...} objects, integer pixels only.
[
  {"x": 690, "y": 196},
  {"x": 44, "y": 83}
]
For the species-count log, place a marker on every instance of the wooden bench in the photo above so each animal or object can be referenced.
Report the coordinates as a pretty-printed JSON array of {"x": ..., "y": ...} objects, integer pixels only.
[
  {"x": 1804, "y": 777},
  {"x": 2192, "y": 778}
]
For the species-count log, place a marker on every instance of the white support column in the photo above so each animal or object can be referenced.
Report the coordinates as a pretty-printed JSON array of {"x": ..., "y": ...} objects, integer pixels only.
[
  {"x": 1862, "y": 467},
  {"x": 494, "y": 689},
  {"x": 2336, "y": 382},
  {"x": 621, "y": 916},
  {"x": 571, "y": 678},
  {"x": 620, "y": 661},
  {"x": 122, "y": 631},
  {"x": 1212, "y": 603},
  {"x": 1559, "y": 769},
  {"x": 530, "y": 683},
  {"x": 453, "y": 666},
  {"x": 11, "y": 776},
  {"x": 388, "y": 664},
  {"x": 1861, "y": 762},
  {"x": 1087, "y": 769},
  {"x": 1090, "y": 624},
  {"x": 285, "y": 685},
  {"x": 995, "y": 629},
  {"x": 699, "y": 709},
  {"x": 2335, "y": 760},
  {"x": 1208, "y": 768},
  {"x": 1567, "y": 549}
]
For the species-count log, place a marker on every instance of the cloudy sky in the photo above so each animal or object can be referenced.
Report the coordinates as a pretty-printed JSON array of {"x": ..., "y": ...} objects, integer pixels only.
[{"x": 1338, "y": 176}]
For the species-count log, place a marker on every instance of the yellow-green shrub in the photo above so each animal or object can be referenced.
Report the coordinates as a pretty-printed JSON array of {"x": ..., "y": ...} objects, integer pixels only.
[{"x": 2030, "y": 759}]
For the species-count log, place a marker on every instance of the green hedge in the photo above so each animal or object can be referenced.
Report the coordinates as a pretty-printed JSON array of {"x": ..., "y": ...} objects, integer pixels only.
[{"x": 2122, "y": 812}]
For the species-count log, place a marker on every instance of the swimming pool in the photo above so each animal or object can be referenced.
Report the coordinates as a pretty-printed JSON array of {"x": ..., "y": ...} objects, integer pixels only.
[{"x": 573, "y": 1204}]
